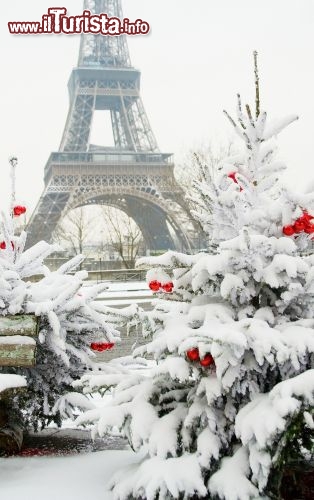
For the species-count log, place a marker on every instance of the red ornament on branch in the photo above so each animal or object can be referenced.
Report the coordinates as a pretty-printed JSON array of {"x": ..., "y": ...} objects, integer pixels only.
[
  {"x": 3, "y": 245},
  {"x": 101, "y": 346},
  {"x": 19, "y": 210},
  {"x": 309, "y": 228},
  {"x": 232, "y": 175},
  {"x": 193, "y": 354},
  {"x": 167, "y": 287},
  {"x": 302, "y": 225},
  {"x": 207, "y": 361},
  {"x": 299, "y": 226},
  {"x": 288, "y": 230},
  {"x": 154, "y": 285},
  {"x": 306, "y": 216}
]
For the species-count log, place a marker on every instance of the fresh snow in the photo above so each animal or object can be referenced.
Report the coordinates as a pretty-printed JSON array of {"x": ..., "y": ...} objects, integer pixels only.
[
  {"x": 17, "y": 340},
  {"x": 155, "y": 477},
  {"x": 77, "y": 477},
  {"x": 230, "y": 481},
  {"x": 127, "y": 301},
  {"x": 128, "y": 292},
  {"x": 8, "y": 381}
]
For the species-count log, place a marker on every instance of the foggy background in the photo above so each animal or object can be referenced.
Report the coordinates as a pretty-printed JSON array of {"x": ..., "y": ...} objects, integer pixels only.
[{"x": 197, "y": 56}]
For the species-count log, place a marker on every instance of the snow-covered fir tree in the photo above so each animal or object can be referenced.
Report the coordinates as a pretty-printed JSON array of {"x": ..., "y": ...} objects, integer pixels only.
[
  {"x": 69, "y": 320},
  {"x": 231, "y": 398}
]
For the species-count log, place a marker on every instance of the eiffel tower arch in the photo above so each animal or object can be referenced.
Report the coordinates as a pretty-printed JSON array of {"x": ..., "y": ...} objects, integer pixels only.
[{"x": 134, "y": 175}]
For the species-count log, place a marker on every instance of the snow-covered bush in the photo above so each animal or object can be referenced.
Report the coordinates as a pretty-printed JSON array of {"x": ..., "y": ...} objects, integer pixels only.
[
  {"x": 233, "y": 341},
  {"x": 69, "y": 320}
]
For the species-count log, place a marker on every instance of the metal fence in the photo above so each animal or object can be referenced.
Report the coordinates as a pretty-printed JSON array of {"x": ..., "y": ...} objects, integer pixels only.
[
  {"x": 109, "y": 275},
  {"x": 117, "y": 275}
]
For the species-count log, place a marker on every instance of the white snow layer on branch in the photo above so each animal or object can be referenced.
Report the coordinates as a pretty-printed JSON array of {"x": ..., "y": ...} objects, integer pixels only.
[
  {"x": 9, "y": 381},
  {"x": 261, "y": 423},
  {"x": 231, "y": 481},
  {"x": 68, "y": 404},
  {"x": 168, "y": 259},
  {"x": 155, "y": 477},
  {"x": 275, "y": 127}
]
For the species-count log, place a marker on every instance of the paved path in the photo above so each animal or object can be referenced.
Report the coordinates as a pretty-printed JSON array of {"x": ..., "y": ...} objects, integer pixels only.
[{"x": 68, "y": 442}]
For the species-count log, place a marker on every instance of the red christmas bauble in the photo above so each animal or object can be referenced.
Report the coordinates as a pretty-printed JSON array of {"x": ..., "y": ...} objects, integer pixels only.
[
  {"x": 3, "y": 245},
  {"x": 167, "y": 287},
  {"x": 101, "y": 346},
  {"x": 298, "y": 226},
  {"x": 193, "y": 354},
  {"x": 288, "y": 230},
  {"x": 154, "y": 285},
  {"x": 306, "y": 217},
  {"x": 19, "y": 210},
  {"x": 207, "y": 360},
  {"x": 309, "y": 228}
]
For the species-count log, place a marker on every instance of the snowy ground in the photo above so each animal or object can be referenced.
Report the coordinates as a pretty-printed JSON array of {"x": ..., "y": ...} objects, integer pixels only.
[
  {"x": 77, "y": 477},
  {"x": 73, "y": 467},
  {"x": 70, "y": 466}
]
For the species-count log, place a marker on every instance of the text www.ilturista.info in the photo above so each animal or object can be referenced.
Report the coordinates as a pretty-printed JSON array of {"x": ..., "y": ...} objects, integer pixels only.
[{"x": 57, "y": 22}]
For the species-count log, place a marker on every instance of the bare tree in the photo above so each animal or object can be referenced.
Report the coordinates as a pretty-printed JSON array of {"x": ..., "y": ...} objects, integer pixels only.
[
  {"x": 197, "y": 169},
  {"x": 123, "y": 234},
  {"x": 75, "y": 230},
  {"x": 200, "y": 162}
]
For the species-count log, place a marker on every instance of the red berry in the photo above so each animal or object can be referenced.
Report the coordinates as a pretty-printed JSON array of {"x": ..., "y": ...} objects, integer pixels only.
[
  {"x": 154, "y": 285},
  {"x": 167, "y": 287},
  {"x": 288, "y": 230},
  {"x": 207, "y": 360},
  {"x": 298, "y": 226},
  {"x": 19, "y": 210},
  {"x": 193, "y": 354}
]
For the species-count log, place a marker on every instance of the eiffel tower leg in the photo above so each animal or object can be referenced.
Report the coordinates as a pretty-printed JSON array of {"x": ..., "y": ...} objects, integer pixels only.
[
  {"x": 152, "y": 222},
  {"x": 77, "y": 130},
  {"x": 46, "y": 216}
]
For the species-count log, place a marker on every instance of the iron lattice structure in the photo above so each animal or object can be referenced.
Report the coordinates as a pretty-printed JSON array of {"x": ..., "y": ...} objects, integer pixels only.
[{"x": 134, "y": 175}]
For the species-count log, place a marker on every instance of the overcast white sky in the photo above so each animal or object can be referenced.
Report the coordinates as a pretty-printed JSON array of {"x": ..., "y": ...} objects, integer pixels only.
[{"x": 197, "y": 56}]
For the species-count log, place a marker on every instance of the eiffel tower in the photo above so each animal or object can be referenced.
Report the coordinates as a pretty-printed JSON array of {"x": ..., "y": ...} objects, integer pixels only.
[{"x": 134, "y": 175}]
